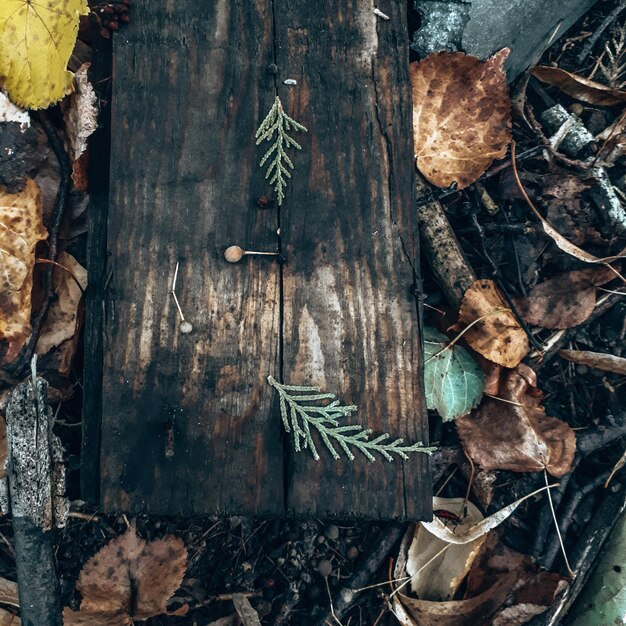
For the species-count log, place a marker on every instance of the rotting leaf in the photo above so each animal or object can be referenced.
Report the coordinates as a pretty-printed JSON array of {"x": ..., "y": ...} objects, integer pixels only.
[
  {"x": 437, "y": 568},
  {"x": 534, "y": 590},
  {"x": 36, "y": 41},
  {"x": 81, "y": 121},
  {"x": 21, "y": 228},
  {"x": 468, "y": 612},
  {"x": 565, "y": 300},
  {"x": 461, "y": 116},
  {"x": 578, "y": 87},
  {"x": 597, "y": 360},
  {"x": 514, "y": 433},
  {"x": 62, "y": 320},
  {"x": 498, "y": 336},
  {"x": 453, "y": 381},
  {"x": 128, "y": 579}
]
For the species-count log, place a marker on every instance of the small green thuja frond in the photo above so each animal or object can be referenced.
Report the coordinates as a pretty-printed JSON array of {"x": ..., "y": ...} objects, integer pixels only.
[
  {"x": 279, "y": 123},
  {"x": 301, "y": 412}
]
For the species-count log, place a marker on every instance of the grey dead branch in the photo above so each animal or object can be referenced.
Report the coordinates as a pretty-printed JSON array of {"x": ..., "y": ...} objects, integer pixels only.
[{"x": 36, "y": 499}]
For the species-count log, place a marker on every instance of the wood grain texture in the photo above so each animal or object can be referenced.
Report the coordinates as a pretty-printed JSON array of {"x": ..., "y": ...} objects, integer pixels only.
[
  {"x": 350, "y": 235},
  {"x": 187, "y": 424}
]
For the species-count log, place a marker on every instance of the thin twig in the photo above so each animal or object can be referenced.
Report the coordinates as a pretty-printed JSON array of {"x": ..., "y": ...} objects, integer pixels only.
[{"x": 591, "y": 42}]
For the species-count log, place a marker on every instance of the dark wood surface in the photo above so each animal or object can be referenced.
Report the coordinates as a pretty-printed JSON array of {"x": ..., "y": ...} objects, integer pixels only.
[{"x": 189, "y": 423}]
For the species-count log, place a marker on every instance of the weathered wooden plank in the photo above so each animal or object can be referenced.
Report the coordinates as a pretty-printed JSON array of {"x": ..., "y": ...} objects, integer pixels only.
[
  {"x": 189, "y": 423},
  {"x": 349, "y": 232},
  {"x": 186, "y": 423}
]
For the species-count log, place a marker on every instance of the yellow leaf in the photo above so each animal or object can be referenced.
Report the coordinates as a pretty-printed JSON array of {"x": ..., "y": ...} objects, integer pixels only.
[
  {"x": 21, "y": 227},
  {"x": 36, "y": 40}
]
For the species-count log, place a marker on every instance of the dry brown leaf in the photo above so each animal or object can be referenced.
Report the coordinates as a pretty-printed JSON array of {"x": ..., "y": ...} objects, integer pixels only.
[
  {"x": 597, "y": 360},
  {"x": 8, "y": 619},
  {"x": 461, "y": 116},
  {"x": 578, "y": 87},
  {"x": 498, "y": 336},
  {"x": 62, "y": 320},
  {"x": 129, "y": 579},
  {"x": 21, "y": 228},
  {"x": 469, "y": 612},
  {"x": 514, "y": 433},
  {"x": 81, "y": 121},
  {"x": 565, "y": 300},
  {"x": 533, "y": 593}
]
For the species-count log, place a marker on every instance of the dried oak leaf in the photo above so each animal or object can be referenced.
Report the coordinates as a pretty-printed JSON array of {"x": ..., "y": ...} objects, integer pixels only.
[
  {"x": 461, "y": 116},
  {"x": 21, "y": 228},
  {"x": 498, "y": 336},
  {"x": 516, "y": 434},
  {"x": 36, "y": 41},
  {"x": 579, "y": 87},
  {"x": 129, "y": 579},
  {"x": 565, "y": 300}
]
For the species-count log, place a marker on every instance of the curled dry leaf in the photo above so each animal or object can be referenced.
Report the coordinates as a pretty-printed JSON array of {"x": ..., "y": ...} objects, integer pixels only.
[
  {"x": 436, "y": 565},
  {"x": 579, "y": 87},
  {"x": 81, "y": 121},
  {"x": 597, "y": 360},
  {"x": 62, "y": 321},
  {"x": 461, "y": 116},
  {"x": 468, "y": 612},
  {"x": 21, "y": 228},
  {"x": 9, "y": 619},
  {"x": 498, "y": 336},
  {"x": 565, "y": 300},
  {"x": 534, "y": 590},
  {"x": 514, "y": 433},
  {"x": 129, "y": 579},
  {"x": 36, "y": 41}
]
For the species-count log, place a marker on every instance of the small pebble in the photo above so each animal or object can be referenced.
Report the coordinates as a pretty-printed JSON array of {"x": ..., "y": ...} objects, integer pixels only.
[
  {"x": 290, "y": 81},
  {"x": 353, "y": 553},
  {"x": 325, "y": 568},
  {"x": 576, "y": 108},
  {"x": 582, "y": 369},
  {"x": 321, "y": 539},
  {"x": 331, "y": 532}
]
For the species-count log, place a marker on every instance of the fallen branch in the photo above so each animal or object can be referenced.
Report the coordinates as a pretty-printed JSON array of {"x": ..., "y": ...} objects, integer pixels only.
[
  {"x": 441, "y": 247},
  {"x": 36, "y": 487}
]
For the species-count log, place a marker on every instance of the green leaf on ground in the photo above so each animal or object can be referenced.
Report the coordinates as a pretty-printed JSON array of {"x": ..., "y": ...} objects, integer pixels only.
[
  {"x": 453, "y": 380},
  {"x": 603, "y": 600}
]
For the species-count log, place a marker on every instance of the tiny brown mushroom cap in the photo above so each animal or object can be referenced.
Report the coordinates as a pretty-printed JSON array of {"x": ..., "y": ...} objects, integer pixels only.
[{"x": 233, "y": 254}]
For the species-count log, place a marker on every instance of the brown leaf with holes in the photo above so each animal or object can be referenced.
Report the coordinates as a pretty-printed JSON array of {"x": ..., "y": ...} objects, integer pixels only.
[
  {"x": 461, "y": 116},
  {"x": 21, "y": 228},
  {"x": 578, "y": 87},
  {"x": 498, "y": 336},
  {"x": 129, "y": 579},
  {"x": 514, "y": 433},
  {"x": 565, "y": 300},
  {"x": 63, "y": 319}
]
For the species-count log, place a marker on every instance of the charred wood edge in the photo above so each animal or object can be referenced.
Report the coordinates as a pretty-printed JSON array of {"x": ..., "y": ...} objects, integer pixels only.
[
  {"x": 18, "y": 367},
  {"x": 441, "y": 247},
  {"x": 391, "y": 532},
  {"x": 97, "y": 215},
  {"x": 36, "y": 487},
  {"x": 586, "y": 552}
]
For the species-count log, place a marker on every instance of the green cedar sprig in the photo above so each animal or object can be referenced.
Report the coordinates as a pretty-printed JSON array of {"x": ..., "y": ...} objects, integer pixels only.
[
  {"x": 299, "y": 416},
  {"x": 277, "y": 121}
]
